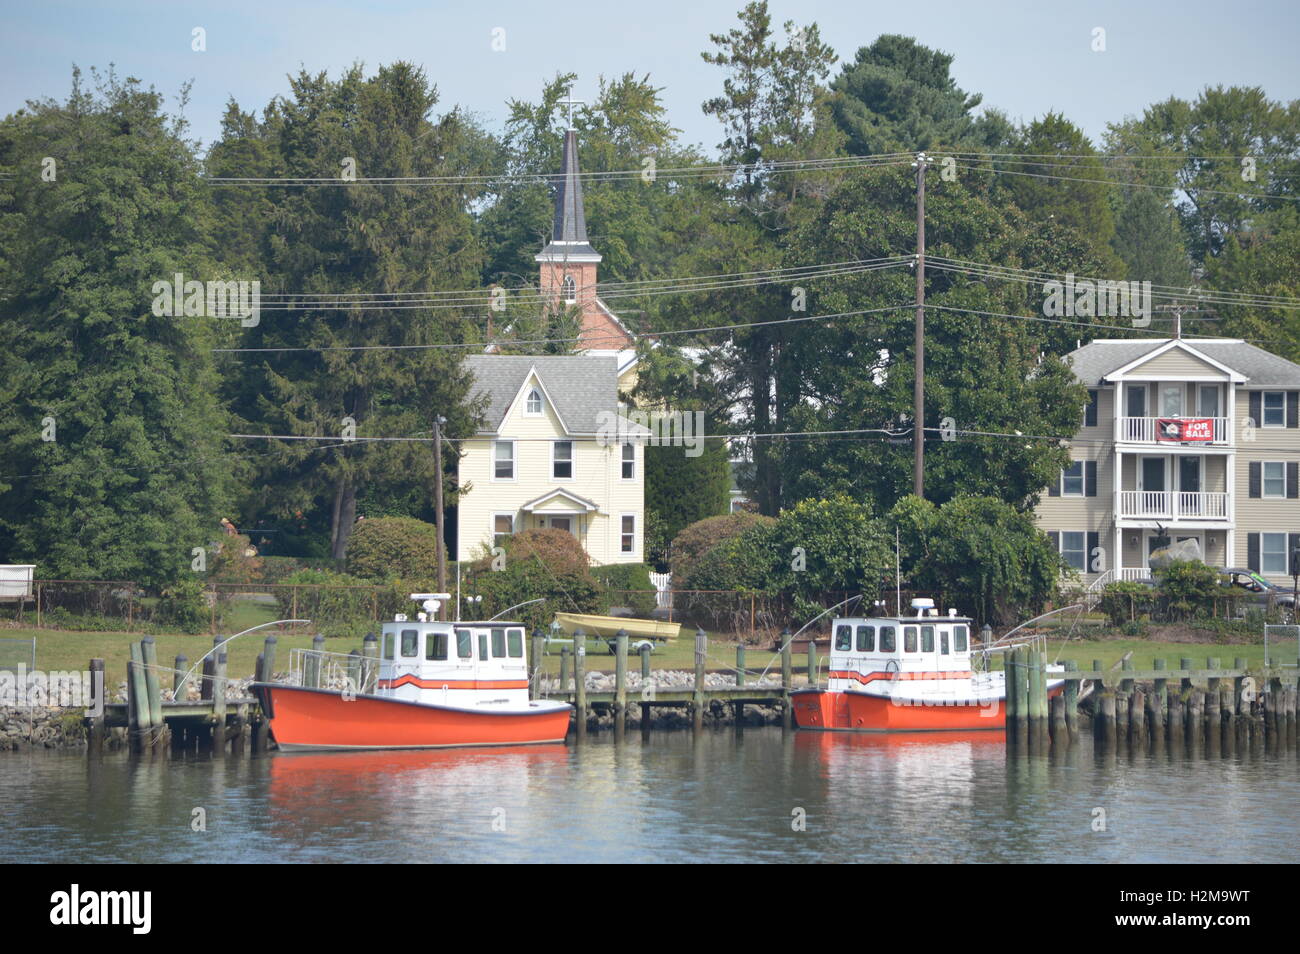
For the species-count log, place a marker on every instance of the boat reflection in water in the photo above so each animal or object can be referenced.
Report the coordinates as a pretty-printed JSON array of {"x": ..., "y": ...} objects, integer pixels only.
[{"x": 356, "y": 796}]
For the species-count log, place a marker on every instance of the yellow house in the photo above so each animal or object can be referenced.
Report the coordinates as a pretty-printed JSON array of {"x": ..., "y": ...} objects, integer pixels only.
[{"x": 554, "y": 451}]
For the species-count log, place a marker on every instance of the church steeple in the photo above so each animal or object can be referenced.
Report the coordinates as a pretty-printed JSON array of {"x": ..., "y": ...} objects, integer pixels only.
[
  {"x": 569, "y": 232},
  {"x": 568, "y": 262}
]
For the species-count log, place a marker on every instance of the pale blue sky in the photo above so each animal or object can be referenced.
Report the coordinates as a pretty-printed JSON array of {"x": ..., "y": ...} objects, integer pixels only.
[{"x": 1025, "y": 57}]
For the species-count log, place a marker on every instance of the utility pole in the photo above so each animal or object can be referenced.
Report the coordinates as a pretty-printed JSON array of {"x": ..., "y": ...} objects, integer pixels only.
[
  {"x": 918, "y": 410},
  {"x": 437, "y": 502}
]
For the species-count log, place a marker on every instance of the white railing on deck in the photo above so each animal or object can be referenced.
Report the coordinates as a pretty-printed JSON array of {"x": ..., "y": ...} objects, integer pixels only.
[
  {"x": 1142, "y": 430},
  {"x": 1172, "y": 504}
]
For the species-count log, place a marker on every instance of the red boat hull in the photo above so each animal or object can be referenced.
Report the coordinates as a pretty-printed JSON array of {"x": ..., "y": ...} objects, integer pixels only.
[
  {"x": 323, "y": 719},
  {"x": 859, "y": 712}
]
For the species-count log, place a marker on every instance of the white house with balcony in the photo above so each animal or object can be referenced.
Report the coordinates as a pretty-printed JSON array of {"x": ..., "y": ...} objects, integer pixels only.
[
  {"x": 1181, "y": 439},
  {"x": 553, "y": 452}
]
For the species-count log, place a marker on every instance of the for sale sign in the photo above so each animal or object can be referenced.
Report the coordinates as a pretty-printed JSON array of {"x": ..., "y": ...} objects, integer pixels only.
[{"x": 1185, "y": 429}]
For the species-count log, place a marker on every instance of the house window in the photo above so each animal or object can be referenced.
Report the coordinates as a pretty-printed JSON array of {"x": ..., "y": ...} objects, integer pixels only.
[
  {"x": 504, "y": 460},
  {"x": 1073, "y": 545},
  {"x": 629, "y": 461},
  {"x": 1274, "y": 472},
  {"x": 627, "y": 541},
  {"x": 1272, "y": 553},
  {"x": 562, "y": 460},
  {"x": 1274, "y": 410},
  {"x": 1072, "y": 480},
  {"x": 1090, "y": 412},
  {"x": 1209, "y": 405},
  {"x": 503, "y": 527},
  {"x": 570, "y": 290},
  {"x": 534, "y": 406}
]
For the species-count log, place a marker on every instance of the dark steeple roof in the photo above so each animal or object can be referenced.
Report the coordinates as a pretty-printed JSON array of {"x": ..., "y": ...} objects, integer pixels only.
[{"x": 569, "y": 234}]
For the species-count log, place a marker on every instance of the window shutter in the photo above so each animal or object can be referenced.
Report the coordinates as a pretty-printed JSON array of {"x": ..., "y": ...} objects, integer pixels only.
[
  {"x": 1256, "y": 407},
  {"x": 1292, "y": 541},
  {"x": 1256, "y": 481},
  {"x": 1054, "y": 488},
  {"x": 1293, "y": 408},
  {"x": 1055, "y": 537},
  {"x": 1090, "y": 478},
  {"x": 1090, "y": 415},
  {"x": 1094, "y": 541},
  {"x": 1293, "y": 479},
  {"x": 1252, "y": 551}
]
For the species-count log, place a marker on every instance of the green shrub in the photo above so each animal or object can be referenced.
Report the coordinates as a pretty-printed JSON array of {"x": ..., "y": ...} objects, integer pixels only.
[
  {"x": 389, "y": 548},
  {"x": 627, "y": 584},
  {"x": 184, "y": 606},
  {"x": 1188, "y": 588},
  {"x": 703, "y": 535},
  {"x": 1126, "y": 601},
  {"x": 337, "y": 604},
  {"x": 546, "y": 564}
]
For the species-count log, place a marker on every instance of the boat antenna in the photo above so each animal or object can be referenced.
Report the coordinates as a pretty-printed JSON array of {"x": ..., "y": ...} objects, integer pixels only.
[
  {"x": 829, "y": 609},
  {"x": 898, "y": 578},
  {"x": 540, "y": 599}
]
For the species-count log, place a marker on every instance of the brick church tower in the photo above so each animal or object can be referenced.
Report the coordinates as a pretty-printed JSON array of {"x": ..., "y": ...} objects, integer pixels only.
[{"x": 568, "y": 263}]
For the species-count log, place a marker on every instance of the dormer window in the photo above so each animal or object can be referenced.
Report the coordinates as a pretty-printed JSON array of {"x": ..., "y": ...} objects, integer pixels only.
[
  {"x": 569, "y": 289},
  {"x": 534, "y": 405}
]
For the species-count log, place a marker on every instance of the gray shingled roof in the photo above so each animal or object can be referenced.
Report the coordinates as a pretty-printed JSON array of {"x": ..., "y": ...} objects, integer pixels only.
[
  {"x": 581, "y": 386},
  {"x": 1096, "y": 360}
]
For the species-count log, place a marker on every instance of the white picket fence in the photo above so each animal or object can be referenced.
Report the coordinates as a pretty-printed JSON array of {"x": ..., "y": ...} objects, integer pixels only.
[{"x": 663, "y": 587}]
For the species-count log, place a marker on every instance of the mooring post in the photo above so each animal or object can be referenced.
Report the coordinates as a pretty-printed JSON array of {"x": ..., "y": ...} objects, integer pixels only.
[
  {"x": 647, "y": 688},
  {"x": 1123, "y": 701},
  {"x": 1011, "y": 702},
  {"x": 180, "y": 681},
  {"x": 95, "y": 723},
  {"x": 1213, "y": 702},
  {"x": 620, "y": 683},
  {"x": 564, "y": 668},
  {"x": 1035, "y": 690},
  {"x": 137, "y": 699},
  {"x": 1070, "y": 698},
  {"x": 1159, "y": 702},
  {"x": 536, "y": 655},
  {"x": 1189, "y": 726},
  {"x": 258, "y": 742},
  {"x": 268, "y": 655},
  {"x": 1023, "y": 701},
  {"x": 311, "y": 664},
  {"x": 219, "y": 706},
  {"x": 580, "y": 681},
  {"x": 369, "y": 664},
  {"x": 697, "y": 705},
  {"x": 1137, "y": 725},
  {"x": 787, "y": 679},
  {"x": 812, "y": 661},
  {"x": 149, "y": 654},
  {"x": 740, "y": 664},
  {"x": 354, "y": 671}
]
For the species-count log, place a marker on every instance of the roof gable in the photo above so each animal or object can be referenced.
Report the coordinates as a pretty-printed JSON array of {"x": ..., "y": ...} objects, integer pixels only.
[{"x": 578, "y": 387}]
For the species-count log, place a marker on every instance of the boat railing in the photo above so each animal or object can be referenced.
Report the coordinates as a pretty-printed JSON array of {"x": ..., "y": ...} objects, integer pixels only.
[{"x": 321, "y": 669}]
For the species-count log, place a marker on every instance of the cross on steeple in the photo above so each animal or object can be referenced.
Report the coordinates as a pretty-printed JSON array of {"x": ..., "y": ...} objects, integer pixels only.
[{"x": 570, "y": 102}]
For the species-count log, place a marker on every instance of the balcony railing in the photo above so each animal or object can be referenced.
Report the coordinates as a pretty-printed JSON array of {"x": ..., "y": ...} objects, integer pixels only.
[
  {"x": 1146, "y": 430},
  {"x": 1173, "y": 505}
]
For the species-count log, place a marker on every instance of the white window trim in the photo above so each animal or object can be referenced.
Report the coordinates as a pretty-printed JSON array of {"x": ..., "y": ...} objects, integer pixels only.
[
  {"x": 572, "y": 461},
  {"x": 493, "y": 525},
  {"x": 1083, "y": 548},
  {"x": 623, "y": 460},
  {"x": 541, "y": 403},
  {"x": 1263, "y": 409},
  {"x": 622, "y": 533},
  {"x": 1083, "y": 480},
  {"x": 514, "y": 463},
  {"x": 1263, "y": 480},
  {"x": 1263, "y": 569},
  {"x": 569, "y": 286}
]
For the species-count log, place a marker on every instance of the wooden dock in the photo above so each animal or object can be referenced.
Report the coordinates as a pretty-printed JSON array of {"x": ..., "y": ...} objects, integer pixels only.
[{"x": 1211, "y": 708}]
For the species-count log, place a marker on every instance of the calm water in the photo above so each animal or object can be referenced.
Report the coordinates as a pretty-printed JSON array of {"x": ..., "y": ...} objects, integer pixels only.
[{"x": 672, "y": 798}]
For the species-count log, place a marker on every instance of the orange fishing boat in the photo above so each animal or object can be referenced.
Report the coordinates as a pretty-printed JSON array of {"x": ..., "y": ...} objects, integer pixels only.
[
  {"x": 906, "y": 674},
  {"x": 438, "y": 685}
]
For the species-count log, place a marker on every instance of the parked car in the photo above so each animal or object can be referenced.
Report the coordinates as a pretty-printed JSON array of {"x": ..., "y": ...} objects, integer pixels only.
[{"x": 1260, "y": 592}]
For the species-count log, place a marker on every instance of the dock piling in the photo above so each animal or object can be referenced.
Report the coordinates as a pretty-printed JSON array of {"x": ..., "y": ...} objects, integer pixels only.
[
  {"x": 580, "y": 681},
  {"x": 787, "y": 680},
  {"x": 620, "y": 683}
]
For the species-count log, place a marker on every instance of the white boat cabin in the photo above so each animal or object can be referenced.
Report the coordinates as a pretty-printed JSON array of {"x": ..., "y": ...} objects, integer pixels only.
[
  {"x": 464, "y": 664},
  {"x": 920, "y": 647}
]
